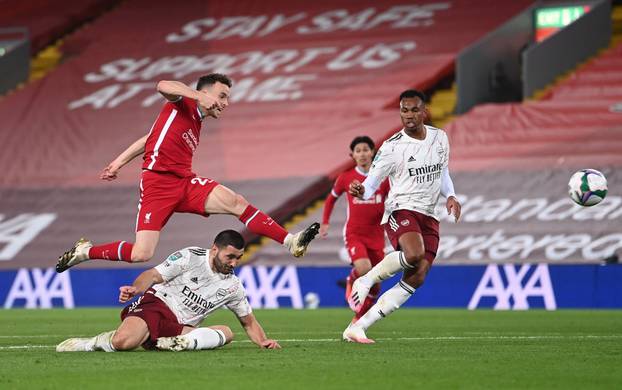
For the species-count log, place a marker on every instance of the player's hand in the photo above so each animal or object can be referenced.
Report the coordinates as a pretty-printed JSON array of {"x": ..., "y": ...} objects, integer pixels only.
[
  {"x": 356, "y": 189},
  {"x": 126, "y": 293},
  {"x": 110, "y": 172},
  {"x": 207, "y": 101},
  {"x": 454, "y": 207},
  {"x": 270, "y": 344},
  {"x": 324, "y": 230}
]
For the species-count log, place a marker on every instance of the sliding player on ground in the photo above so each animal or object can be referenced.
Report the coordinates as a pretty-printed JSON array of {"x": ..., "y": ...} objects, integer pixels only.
[{"x": 177, "y": 295}]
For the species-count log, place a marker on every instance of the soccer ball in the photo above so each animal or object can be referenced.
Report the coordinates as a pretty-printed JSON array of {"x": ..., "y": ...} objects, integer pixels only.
[
  {"x": 587, "y": 187},
  {"x": 312, "y": 300}
]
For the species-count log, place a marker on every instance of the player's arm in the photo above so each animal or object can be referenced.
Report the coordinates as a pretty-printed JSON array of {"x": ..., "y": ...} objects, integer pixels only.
[
  {"x": 448, "y": 191},
  {"x": 141, "y": 284},
  {"x": 173, "y": 266},
  {"x": 329, "y": 204},
  {"x": 256, "y": 333},
  {"x": 381, "y": 167},
  {"x": 366, "y": 189},
  {"x": 136, "y": 149},
  {"x": 173, "y": 91}
]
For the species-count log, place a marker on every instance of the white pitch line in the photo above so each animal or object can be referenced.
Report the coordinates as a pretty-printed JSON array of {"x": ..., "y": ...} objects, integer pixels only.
[
  {"x": 432, "y": 338},
  {"x": 450, "y": 338},
  {"x": 27, "y": 346}
]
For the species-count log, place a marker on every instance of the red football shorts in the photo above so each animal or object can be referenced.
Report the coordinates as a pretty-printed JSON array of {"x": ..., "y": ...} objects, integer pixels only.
[
  {"x": 160, "y": 320},
  {"x": 403, "y": 221},
  {"x": 162, "y": 194},
  {"x": 361, "y": 248}
]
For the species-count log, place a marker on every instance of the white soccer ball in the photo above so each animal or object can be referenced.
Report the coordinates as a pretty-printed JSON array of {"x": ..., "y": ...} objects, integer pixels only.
[
  {"x": 587, "y": 187},
  {"x": 312, "y": 300}
]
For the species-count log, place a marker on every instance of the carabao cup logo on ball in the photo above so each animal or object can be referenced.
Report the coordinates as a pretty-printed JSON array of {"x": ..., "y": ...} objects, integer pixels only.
[{"x": 587, "y": 187}]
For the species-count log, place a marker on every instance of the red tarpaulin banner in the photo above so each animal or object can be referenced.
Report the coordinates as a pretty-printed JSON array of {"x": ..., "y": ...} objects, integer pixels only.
[{"x": 308, "y": 78}]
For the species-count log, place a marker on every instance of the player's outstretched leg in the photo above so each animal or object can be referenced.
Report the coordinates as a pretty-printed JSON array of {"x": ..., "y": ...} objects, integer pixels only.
[
  {"x": 101, "y": 342},
  {"x": 389, "y": 266},
  {"x": 297, "y": 243},
  {"x": 222, "y": 200},
  {"x": 74, "y": 256}
]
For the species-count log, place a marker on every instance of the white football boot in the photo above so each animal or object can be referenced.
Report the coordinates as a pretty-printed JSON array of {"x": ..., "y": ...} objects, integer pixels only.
[
  {"x": 75, "y": 255},
  {"x": 356, "y": 334},
  {"x": 297, "y": 244},
  {"x": 177, "y": 343},
  {"x": 76, "y": 345}
]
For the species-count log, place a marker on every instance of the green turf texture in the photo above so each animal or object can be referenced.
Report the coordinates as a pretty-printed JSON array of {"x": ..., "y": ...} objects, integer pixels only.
[{"x": 415, "y": 348}]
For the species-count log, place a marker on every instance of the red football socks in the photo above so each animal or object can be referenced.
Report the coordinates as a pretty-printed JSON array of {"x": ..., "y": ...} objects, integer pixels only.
[
  {"x": 114, "y": 251},
  {"x": 259, "y": 223}
]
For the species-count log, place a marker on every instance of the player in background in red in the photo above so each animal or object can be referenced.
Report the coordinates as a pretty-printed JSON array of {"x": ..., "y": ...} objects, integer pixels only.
[
  {"x": 363, "y": 236},
  {"x": 168, "y": 184}
]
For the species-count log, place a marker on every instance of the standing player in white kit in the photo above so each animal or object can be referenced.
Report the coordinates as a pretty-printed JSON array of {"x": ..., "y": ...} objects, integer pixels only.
[
  {"x": 177, "y": 295},
  {"x": 416, "y": 161}
]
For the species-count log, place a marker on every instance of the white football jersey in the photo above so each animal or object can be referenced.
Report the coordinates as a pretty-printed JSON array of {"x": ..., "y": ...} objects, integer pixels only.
[
  {"x": 192, "y": 290},
  {"x": 414, "y": 169}
]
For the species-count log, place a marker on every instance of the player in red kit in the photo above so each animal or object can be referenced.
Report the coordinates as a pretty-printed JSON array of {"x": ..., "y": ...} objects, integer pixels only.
[
  {"x": 168, "y": 184},
  {"x": 363, "y": 236}
]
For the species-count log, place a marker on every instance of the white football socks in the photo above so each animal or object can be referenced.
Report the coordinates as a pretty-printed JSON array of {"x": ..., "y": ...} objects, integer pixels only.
[
  {"x": 103, "y": 342},
  {"x": 387, "y": 304},
  {"x": 389, "y": 266},
  {"x": 205, "y": 338}
]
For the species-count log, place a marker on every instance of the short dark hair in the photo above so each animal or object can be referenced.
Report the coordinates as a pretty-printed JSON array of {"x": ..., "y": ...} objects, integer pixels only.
[
  {"x": 213, "y": 78},
  {"x": 411, "y": 93},
  {"x": 362, "y": 139},
  {"x": 229, "y": 237}
]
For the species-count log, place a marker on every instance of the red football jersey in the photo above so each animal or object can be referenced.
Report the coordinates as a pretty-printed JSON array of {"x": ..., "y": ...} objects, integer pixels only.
[
  {"x": 364, "y": 216},
  {"x": 173, "y": 138}
]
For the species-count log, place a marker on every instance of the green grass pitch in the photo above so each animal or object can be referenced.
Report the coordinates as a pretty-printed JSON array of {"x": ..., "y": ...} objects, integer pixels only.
[{"x": 414, "y": 348}]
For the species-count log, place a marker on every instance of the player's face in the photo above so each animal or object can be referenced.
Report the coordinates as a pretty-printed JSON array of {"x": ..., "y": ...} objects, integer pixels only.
[
  {"x": 362, "y": 154},
  {"x": 226, "y": 259},
  {"x": 221, "y": 92},
  {"x": 413, "y": 112}
]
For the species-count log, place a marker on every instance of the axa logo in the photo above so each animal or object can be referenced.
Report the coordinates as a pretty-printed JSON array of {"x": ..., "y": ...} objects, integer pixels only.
[
  {"x": 510, "y": 288},
  {"x": 271, "y": 287},
  {"x": 40, "y": 288}
]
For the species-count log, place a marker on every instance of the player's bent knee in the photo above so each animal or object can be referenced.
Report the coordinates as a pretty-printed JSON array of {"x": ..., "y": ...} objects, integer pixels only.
[
  {"x": 122, "y": 342},
  {"x": 414, "y": 258},
  {"x": 228, "y": 334},
  {"x": 226, "y": 331},
  {"x": 240, "y": 204},
  {"x": 141, "y": 255},
  {"x": 416, "y": 280}
]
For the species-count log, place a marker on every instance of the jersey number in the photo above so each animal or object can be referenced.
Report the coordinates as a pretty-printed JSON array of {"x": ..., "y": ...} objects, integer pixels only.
[{"x": 200, "y": 180}]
